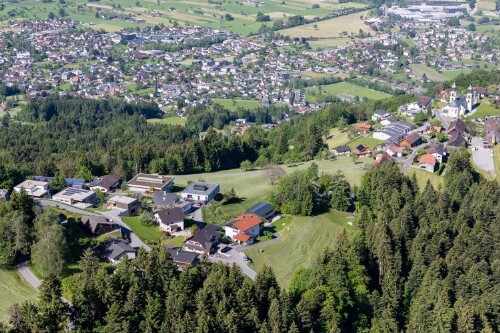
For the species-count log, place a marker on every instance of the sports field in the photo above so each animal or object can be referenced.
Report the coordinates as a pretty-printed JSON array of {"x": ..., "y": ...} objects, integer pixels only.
[
  {"x": 431, "y": 73},
  {"x": 345, "y": 90},
  {"x": 13, "y": 289},
  {"x": 335, "y": 27},
  {"x": 302, "y": 239}
]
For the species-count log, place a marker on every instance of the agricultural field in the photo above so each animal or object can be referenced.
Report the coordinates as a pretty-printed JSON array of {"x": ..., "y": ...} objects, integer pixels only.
[
  {"x": 454, "y": 74},
  {"x": 345, "y": 90},
  {"x": 431, "y": 73},
  {"x": 234, "y": 104},
  {"x": 13, "y": 289},
  {"x": 302, "y": 238},
  {"x": 322, "y": 43},
  {"x": 252, "y": 188},
  {"x": 197, "y": 12},
  {"x": 424, "y": 176},
  {"x": 496, "y": 159},
  {"x": 487, "y": 5},
  {"x": 341, "y": 26}
]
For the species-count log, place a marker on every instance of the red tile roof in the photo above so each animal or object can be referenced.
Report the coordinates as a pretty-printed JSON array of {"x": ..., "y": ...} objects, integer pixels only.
[
  {"x": 428, "y": 159},
  {"x": 246, "y": 222},
  {"x": 242, "y": 237}
]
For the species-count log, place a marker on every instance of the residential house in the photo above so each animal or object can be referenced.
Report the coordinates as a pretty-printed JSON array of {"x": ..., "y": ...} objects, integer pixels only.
[
  {"x": 37, "y": 189},
  {"x": 70, "y": 182},
  {"x": 428, "y": 162},
  {"x": 126, "y": 205},
  {"x": 389, "y": 120},
  {"x": 98, "y": 225},
  {"x": 395, "y": 150},
  {"x": 244, "y": 229},
  {"x": 380, "y": 114},
  {"x": 4, "y": 195},
  {"x": 456, "y": 126},
  {"x": 424, "y": 103},
  {"x": 204, "y": 241},
  {"x": 362, "y": 151},
  {"x": 456, "y": 140},
  {"x": 412, "y": 140},
  {"x": 105, "y": 184},
  {"x": 144, "y": 183},
  {"x": 183, "y": 259},
  {"x": 164, "y": 199},
  {"x": 382, "y": 158},
  {"x": 492, "y": 131},
  {"x": 76, "y": 196},
  {"x": 439, "y": 152},
  {"x": 341, "y": 150},
  {"x": 363, "y": 128},
  {"x": 170, "y": 219},
  {"x": 115, "y": 250},
  {"x": 263, "y": 210},
  {"x": 201, "y": 192}
]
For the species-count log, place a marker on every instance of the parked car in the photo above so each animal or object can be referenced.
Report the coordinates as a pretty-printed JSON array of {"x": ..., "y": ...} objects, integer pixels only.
[{"x": 244, "y": 256}]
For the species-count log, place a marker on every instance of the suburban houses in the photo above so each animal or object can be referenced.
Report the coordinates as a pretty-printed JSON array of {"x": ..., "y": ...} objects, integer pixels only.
[
  {"x": 201, "y": 192},
  {"x": 170, "y": 219},
  {"x": 125, "y": 205},
  {"x": 245, "y": 228},
  {"x": 144, "y": 183},
  {"x": 76, "y": 197}
]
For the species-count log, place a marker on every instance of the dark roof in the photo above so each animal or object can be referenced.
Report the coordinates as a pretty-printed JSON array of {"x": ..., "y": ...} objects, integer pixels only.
[
  {"x": 456, "y": 140},
  {"x": 183, "y": 257},
  {"x": 92, "y": 222},
  {"x": 164, "y": 198},
  {"x": 342, "y": 149},
  {"x": 105, "y": 181},
  {"x": 114, "y": 249},
  {"x": 261, "y": 209},
  {"x": 412, "y": 138},
  {"x": 457, "y": 125},
  {"x": 207, "y": 236},
  {"x": 381, "y": 112},
  {"x": 170, "y": 215},
  {"x": 437, "y": 149},
  {"x": 424, "y": 101},
  {"x": 201, "y": 188},
  {"x": 361, "y": 147}
]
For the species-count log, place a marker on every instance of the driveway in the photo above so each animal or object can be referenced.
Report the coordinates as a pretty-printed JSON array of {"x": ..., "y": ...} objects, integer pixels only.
[
  {"x": 28, "y": 275},
  {"x": 482, "y": 157}
]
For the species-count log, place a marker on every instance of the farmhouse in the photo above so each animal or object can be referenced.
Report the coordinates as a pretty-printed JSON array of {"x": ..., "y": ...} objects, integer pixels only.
[
  {"x": 362, "y": 151},
  {"x": 244, "y": 228},
  {"x": 126, "y": 205},
  {"x": 143, "y": 182},
  {"x": 204, "y": 241},
  {"x": 412, "y": 140},
  {"x": 170, "y": 219},
  {"x": 202, "y": 192},
  {"x": 428, "y": 162},
  {"x": 33, "y": 188},
  {"x": 75, "y": 196},
  {"x": 363, "y": 128},
  {"x": 382, "y": 158},
  {"x": 105, "y": 184},
  {"x": 98, "y": 225},
  {"x": 395, "y": 150}
]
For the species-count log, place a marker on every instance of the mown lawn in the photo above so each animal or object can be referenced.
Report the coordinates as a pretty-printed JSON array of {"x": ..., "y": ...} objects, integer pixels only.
[
  {"x": 431, "y": 73},
  {"x": 169, "y": 121},
  {"x": 365, "y": 140},
  {"x": 485, "y": 109},
  {"x": 423, "y": 176},
  {"x": 148, "y": 234},
  {"x": 234, "y": 104},
  {"x": 302, "y": 239},
  {"x": 496, "y": 159},
  {"x": 336, "y": 138},
  {"x": 13, "y": 289}
]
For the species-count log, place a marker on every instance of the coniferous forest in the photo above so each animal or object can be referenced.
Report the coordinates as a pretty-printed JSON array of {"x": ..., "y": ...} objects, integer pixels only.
[{"x": 419, "y": 260}]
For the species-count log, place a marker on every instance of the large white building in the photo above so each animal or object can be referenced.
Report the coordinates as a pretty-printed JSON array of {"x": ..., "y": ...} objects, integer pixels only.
[
  {"x": 458, "y": 106},
  {"x": 33, "y": 188},
  {"x": 202, "y": 192}
]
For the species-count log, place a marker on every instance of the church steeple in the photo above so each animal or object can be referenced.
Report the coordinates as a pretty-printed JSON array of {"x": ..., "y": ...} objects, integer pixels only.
[
  {"x": 453, "y": 92},
  {"x": 470, "y": 98}
]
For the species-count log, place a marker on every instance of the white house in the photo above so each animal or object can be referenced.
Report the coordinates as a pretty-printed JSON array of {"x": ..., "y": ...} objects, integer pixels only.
[
  {"x": 203, "y": 192},
  {"x": 33, "y": 188},
  {"x": 380, "y": 114},
  {"x": 170, "y": 219},
  {"x": 244, "y": 228},
  {"x": 143, "y": 182}
]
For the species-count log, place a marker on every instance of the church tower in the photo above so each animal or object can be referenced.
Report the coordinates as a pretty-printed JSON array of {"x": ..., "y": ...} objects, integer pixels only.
[
  {"x": 469, "y": 98},
  {"x": 453, "y": 92}
]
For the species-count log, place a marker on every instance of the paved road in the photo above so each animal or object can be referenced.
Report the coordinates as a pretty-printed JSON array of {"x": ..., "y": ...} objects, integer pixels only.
[
  {"x": 111, "y": 214},
  {"x": 409, "y": 161},
  {"x": 440, "y": 117},
  {"x": 482, "y": 157},
  {"x": 28, "y": 275}
]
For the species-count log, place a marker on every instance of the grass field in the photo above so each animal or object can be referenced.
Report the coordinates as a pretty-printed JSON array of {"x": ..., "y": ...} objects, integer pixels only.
[
  {"x": 365, "y": 140},
  {"x": 432, "y": 74},
  {"x": 328, "y": 42},
  {"x": 485, "y": 109},
  {"x": 337, "y": 138},
  {"x": 423, "y": 176},
  {"x": 336, "y": 27},
  {"x": 252, "y": 188},
  {"x": 169, "y": 121},
  {"x": 302, "y": 238},
  {"x": 234, "y": 104},
  {"x": 454, "y": 74},
  {"x": 148, "y": 234},
  {"x": 486, "y": 5},
  {"x": 343, "y": 90},
  {"x": 496, "y": 159},
  {"x": 13, "y": 289}
]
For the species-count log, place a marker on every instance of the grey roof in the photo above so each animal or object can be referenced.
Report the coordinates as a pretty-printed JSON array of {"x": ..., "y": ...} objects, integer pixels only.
[
  {"x": 341, "y": 149},
  {"x": 164, "y": 198},
  {"x": 181, "y": 256},
  {"x": 201, "y": 188},
  {"x": 105, "y": 181},
  {"x": 170, "y": 215},
  {"x": 114, "y": 249},
  {"x": 207, "y": 236},
  {"x": 261, "y": 209}
]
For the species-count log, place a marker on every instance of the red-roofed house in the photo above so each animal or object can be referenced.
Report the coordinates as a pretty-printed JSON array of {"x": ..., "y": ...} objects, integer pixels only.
[
  {"x": 363, "y": 128},
  {"x": 244, "y": 228},
  {"x": 428, "y": 162}
]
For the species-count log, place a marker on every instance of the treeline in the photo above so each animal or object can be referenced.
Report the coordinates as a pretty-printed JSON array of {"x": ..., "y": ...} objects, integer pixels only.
[
  {"x": 480, "y": 78},
  {"x": 6, "y": 90},
  {"x": 419, "y": 260}
]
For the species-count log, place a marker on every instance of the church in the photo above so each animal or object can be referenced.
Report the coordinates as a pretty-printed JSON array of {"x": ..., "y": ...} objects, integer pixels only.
[{"x": 458, "y": 106}]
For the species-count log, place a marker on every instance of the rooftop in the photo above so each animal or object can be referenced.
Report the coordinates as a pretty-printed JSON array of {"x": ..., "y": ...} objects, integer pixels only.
[
  {"x": 122, "y": 199},
  {"x": 200, "y": 188},
  {"x": 148, "y": 180},
  {"x": 73, "y": 193},
  {"x": 245, "y": 222}
]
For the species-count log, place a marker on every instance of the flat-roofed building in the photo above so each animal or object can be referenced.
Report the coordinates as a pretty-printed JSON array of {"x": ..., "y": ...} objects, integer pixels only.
[
  {"x": 126, "y": 205},
  {"x": 203, "y": 192},
  {"x": 144, "y": 183},
  {"x": 76, "y": 196}
]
